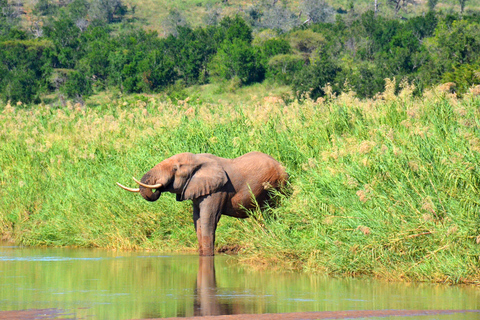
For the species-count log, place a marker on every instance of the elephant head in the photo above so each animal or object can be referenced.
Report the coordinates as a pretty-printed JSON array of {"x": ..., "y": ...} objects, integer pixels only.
[{"x": 187, "y": 175}]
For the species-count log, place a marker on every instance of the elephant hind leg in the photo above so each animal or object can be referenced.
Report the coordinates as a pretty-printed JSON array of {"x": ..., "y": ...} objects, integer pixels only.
[{"x": 243, "y": 201}]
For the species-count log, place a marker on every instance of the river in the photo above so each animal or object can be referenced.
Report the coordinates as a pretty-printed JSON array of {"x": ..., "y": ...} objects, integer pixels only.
[{"x": 99, "y": 284}]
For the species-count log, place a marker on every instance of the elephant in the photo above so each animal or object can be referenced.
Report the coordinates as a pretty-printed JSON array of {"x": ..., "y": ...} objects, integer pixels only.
[{"x": 215, "y": 185}]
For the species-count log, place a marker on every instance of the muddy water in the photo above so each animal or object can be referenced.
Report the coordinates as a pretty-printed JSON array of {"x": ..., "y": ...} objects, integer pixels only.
[{"x": 95, "y": 284}]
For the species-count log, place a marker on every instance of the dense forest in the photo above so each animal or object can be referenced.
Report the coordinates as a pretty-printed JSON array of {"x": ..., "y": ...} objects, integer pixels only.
[{"x": 78, "y": 48}]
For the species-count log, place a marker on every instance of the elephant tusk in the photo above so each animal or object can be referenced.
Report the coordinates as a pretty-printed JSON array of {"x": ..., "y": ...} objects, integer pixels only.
[
  {"x": 128, "y": 189},
  {"x": 149, "y": 186}
]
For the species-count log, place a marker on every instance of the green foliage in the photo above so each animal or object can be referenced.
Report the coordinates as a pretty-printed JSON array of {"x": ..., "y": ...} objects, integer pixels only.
[
  {"x": 23, "y": 69},
  {"x": 306, "y": 41},
  {"x": 422, "y": 26},
  {"x": 464, "y": 77},
  {"x": 398, "y": 56},
  {"x": 284, "y": 67},
  {"x": 45, "y": 7},
  {"x": 65, "y": 36},
  {"x": 455, "y": 44},
  {"x": 8, "y": 18},
  {"x": 237, "y": 59},
  {"x": 96, "y": 45},
  {"x": 158, "y": 71},
  {"x": 361, "y": 49},
  {"x": 78, "y": 9},
  {"x": 236, "y": 28},
  {"x": 138, "y": 62},
  {"x": 432, "y": 4},
  {"x": 77, "y": 85},
  {"x": 364, "y": 78},
  {"x": 385, "y": 187},
  {"x": 273, "y": 47},
  {"x": 311, "y": 80},
  {"x": 107, "y": 11},
  {"x": 192, "y": 50}
]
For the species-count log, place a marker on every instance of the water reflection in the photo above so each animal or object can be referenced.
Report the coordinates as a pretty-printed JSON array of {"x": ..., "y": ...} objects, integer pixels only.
[
  {"x": 206, "y": 296},
  {"x": 128, "y": 285}
]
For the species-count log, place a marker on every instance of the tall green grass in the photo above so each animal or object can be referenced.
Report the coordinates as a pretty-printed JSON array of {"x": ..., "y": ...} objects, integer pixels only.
[{"x": 387, "y": 187}]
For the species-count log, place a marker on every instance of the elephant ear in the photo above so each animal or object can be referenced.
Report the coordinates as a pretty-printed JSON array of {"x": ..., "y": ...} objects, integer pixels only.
[{"x": 208, "y": 178}]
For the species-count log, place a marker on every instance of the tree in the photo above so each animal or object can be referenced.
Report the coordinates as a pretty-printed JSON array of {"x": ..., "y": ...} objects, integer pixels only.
[
  {"x": 77, "y": 85},
  {"x": 78, "y": 9},
  {"x": 157, "y": 71},
  {"x": 312, "y": 79},
  {"x": 139, "y": 61},
  {"x": 398, "y": 57},
  {"x": 306, "y": 42},
  {"x": 423, "y": 26},
  {"x": 364, "y": 78},
  {"x": 65, "y": 36},
  {"x": 96, "y": 45},
  {"x": 174, "y": 20},
  {"x": 107, "y": 11},
  {"x": 24, "y": 69},
  {"x": 432, "y": 4},
  {"x": 45, "y": 7},
  {"x": 237, "y": 59},
  {"x": 212, "y": 15},
  {"x": 455, "y": 44},
  {"x": 317, "y": 11},
  {"x": 8, "y": 17},
  {"x": 399, "y": 4},
  {"x": 284, "y": 67},
  {"x": 278, "y": 18},
  {"x": 236, "y": 28},
  {"x": 464, "y": 77},
  {"x": 462, "y": 4}
]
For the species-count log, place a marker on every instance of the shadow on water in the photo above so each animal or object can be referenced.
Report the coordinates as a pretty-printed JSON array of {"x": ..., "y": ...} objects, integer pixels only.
[{"x": 95, "y": 284}]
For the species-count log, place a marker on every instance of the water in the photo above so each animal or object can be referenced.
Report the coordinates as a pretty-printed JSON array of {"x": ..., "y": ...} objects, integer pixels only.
[{"x": 97, "y": 284}]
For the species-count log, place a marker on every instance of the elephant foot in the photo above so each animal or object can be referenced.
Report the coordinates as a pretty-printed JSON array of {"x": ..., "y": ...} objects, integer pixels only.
[
  {"x": 207, "y": 253},
  {"x": 206, "y": 246}
]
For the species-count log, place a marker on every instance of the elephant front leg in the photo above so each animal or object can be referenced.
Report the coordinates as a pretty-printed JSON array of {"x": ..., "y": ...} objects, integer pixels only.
[
  {"x": 206, "y": 238},
  {"x": 206, "y": 214}
]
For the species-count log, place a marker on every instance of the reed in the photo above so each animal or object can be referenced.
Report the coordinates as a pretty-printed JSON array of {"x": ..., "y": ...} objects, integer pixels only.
[{"x": 386, "y": 187}]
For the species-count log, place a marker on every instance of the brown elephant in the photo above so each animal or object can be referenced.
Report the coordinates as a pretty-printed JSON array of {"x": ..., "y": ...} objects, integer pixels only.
[{"x": 215, "y": 185}]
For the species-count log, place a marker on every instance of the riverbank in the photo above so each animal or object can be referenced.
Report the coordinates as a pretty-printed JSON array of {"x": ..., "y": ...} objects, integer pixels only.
[{"x": 385, "y": 187}]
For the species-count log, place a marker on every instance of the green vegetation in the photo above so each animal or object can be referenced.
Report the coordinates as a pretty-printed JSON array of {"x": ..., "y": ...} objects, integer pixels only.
[
  {"x": 77, "y": 49},
  {"x": 384, "y": 182},
  {"x": 385, "y": 187}
]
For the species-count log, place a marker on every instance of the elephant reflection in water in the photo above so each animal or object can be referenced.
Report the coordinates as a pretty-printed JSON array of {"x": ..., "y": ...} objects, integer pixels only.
[{"x": 206, "y": 300}]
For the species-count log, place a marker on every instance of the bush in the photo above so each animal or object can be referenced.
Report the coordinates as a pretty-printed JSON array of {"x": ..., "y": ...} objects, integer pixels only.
[
  {"x": 284, "y": 67},
  {"x": 312, "y": 79},
  {"x": 77, "y": 85},
  {"x": 237, "y": 59},
  {"x": 24, "y": 69},
  {"x": 464, "y": 77}
]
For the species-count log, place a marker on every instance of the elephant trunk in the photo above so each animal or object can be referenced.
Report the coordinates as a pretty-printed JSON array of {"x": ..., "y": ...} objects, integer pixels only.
[
  {"x": 150, "y": 195},
  {"x": 147, "y": 187}
]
